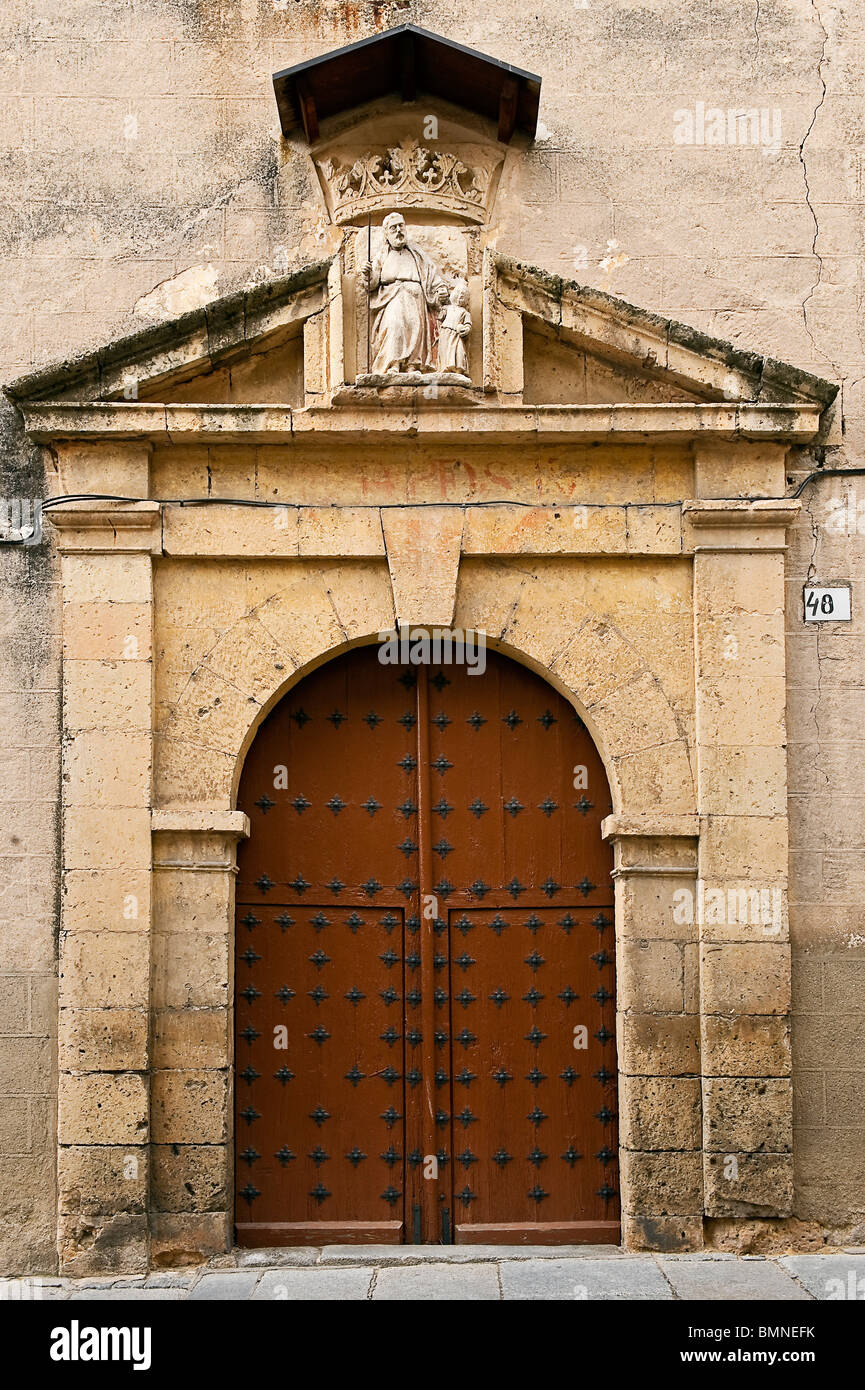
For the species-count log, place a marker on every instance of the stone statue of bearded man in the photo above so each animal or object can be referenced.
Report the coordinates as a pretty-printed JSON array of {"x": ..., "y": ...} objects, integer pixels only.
[{"x": 405, "y": 290}]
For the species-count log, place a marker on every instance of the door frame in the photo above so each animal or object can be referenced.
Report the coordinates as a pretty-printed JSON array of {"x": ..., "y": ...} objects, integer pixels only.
[
  {"x": 650, "y": 856},
  {"x": 671, "y": 1179}
]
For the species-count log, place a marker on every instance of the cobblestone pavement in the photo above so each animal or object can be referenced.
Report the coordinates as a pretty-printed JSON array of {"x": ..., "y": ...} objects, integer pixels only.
[{"x": 474, "y": 1272}]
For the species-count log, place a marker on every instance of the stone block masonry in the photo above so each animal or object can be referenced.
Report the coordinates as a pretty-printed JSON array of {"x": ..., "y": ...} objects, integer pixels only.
[{"x": 144, "y": 177}]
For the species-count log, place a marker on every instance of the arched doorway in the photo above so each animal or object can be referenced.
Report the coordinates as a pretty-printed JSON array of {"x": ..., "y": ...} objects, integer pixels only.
[{"x": 425, "y": 998}]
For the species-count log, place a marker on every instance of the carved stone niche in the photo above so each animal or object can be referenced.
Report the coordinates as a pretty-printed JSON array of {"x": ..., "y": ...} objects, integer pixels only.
[
  {"x": 413, "y": 328},
  {"x": 446, "y": 257},
  {"x": 445, "y": 254}
]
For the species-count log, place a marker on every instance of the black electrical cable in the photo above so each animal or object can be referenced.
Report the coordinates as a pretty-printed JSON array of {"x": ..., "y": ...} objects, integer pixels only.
[
  {"x": 334, "y": 506},
  {"x": 826, "y": 473},
  {"x": 496, "y": 502},
  {"x": 382, "y": 506}
]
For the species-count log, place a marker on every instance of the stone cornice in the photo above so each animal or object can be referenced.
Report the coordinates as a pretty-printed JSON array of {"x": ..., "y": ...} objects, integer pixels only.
[{"x": 46, "y": 421}]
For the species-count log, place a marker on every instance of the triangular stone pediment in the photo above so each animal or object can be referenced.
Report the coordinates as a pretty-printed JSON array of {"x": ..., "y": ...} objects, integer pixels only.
[
  {"x": 540, "y": 341},
  {"x": 265, "y": 373}
]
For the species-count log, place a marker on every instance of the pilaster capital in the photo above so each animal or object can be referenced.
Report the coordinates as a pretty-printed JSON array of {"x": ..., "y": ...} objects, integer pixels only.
[
  {"x": 200, "y": 838},
  {"x": 650, "y": 827},
  {"x": 738, "y": 523},
  {"x": 647, "y": 844},
  {"x": 107, "y": 528}
]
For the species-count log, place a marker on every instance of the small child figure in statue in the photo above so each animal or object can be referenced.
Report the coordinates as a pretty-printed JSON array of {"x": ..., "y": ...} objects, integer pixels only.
[{"x": 455, "y": 327}]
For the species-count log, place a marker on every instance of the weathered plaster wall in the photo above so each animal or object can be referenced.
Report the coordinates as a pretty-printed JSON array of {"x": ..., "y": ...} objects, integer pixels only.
[
  {"x": 29, "y": 832},
  {"x": 142, "y": 174},
  {"x": 827, "y": 858}
]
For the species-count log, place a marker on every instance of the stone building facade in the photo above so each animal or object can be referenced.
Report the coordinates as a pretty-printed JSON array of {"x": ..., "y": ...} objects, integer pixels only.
[{"x": 626, "y": 500}]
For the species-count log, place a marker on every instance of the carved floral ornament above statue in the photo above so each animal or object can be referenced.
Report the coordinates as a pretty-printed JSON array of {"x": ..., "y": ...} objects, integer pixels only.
[
  {"x": 419, "y": 325},
  {"x": 408, "y": 176}
]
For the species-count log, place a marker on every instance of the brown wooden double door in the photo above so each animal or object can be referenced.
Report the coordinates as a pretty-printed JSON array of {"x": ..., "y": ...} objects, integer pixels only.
[{"x": 425, "y": 1011}]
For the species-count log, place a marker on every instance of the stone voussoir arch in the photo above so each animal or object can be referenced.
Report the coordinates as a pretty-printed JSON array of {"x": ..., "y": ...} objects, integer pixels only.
[{"x": 329, "y": 609}]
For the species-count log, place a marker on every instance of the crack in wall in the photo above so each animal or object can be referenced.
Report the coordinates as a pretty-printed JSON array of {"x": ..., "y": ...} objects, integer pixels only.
[{"x": 814, "y": 252}]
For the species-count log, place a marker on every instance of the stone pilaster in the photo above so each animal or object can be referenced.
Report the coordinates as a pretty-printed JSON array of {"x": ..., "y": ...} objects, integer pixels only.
[
  {"x": 104, "y": 1104},
  {"x": 741, "y": 907},
  {"x": 658, "y": 1032},
  {"x": 194, "y": 867}
]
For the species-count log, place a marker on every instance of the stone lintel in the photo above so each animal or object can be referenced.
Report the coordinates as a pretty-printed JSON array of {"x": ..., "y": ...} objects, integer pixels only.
[
  {"x": 626, "y": 423},
  {"x": 296, "y": 531}
]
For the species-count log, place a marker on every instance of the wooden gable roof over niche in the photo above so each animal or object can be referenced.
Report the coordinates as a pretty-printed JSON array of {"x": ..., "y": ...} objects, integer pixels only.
[{"x": 407, "y": 61}]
